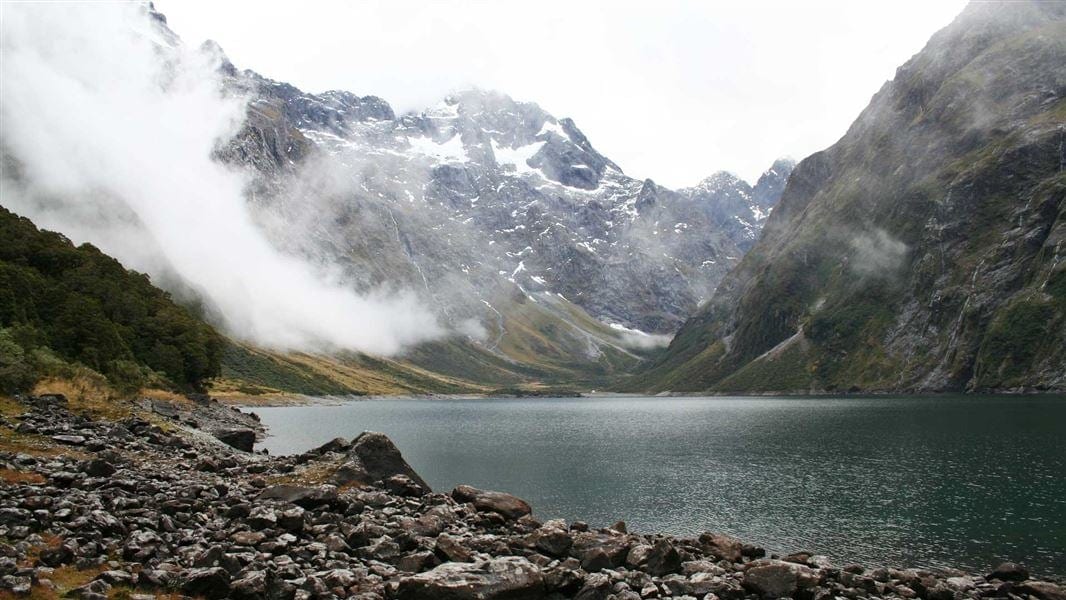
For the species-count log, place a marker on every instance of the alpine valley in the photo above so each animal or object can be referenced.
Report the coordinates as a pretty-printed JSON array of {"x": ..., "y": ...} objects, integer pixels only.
[{"x": 183, "y": 239}]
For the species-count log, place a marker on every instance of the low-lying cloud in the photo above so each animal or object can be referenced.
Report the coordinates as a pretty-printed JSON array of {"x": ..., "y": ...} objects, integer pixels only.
[
  {"x": 877, "y": 254},
  {"x": 112, "y": 132}
]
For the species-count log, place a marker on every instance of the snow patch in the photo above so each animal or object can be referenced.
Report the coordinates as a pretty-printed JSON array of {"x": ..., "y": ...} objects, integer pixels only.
[
  {"x": 517, "y": 157},
  {"x": 451, "y": 150}
]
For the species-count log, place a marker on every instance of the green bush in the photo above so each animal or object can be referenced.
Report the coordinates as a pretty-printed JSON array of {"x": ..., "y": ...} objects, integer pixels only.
[{"x": 16, "y": 372}]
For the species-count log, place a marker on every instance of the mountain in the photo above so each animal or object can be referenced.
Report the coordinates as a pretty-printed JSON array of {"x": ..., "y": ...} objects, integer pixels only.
[
  {"x": 921, "y": 252},
  {"x": 525, "y": 196},
  {"x": 504, "y": 217}
]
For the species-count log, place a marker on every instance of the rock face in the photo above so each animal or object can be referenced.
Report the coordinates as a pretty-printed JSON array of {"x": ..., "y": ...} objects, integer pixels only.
[
  {"x": 924, "y": 251},
  {"x": 159, "y": 526},
  {"x": 374, "y": 457}
]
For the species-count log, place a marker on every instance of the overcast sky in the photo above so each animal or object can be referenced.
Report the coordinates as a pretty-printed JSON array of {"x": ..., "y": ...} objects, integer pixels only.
[{"x": 669, "y": 90}]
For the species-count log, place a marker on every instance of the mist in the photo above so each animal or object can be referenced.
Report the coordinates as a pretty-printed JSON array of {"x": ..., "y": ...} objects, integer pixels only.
[
  {"x": 877, "y": 254},
  {"x": 109, "y": 126}
]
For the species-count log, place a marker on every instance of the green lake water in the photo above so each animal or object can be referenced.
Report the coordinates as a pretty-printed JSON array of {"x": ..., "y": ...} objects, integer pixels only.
[{"x": 894, "y": 481}]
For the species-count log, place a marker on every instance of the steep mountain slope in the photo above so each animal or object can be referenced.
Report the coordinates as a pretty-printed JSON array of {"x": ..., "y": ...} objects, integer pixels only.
[{"x": 924, "y": 250}]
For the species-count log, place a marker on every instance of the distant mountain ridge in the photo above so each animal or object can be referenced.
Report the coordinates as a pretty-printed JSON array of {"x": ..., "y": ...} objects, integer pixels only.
[{"x": 924, "y": 251}]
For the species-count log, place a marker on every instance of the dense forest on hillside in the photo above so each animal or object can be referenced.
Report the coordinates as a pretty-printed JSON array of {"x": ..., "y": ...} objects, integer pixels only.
[{"x": 66, "y": 307}]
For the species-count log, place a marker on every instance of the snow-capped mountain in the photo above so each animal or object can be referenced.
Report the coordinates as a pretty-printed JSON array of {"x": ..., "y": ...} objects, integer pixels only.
[{"x": 514, "y": 193}]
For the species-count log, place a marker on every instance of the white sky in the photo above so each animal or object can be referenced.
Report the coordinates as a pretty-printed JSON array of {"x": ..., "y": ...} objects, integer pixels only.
[{"x": 667, "y": 89}]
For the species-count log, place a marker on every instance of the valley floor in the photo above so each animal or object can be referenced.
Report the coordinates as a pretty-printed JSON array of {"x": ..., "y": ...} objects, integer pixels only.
[{"x": 147, "y": 501}]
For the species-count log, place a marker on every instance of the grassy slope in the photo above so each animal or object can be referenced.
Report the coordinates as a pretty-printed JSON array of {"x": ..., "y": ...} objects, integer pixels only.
[{"x": 547, "y": 343}]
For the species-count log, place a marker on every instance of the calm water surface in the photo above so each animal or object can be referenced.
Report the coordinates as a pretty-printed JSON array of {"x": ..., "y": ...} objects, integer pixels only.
[{"x": 941, "y": 481}]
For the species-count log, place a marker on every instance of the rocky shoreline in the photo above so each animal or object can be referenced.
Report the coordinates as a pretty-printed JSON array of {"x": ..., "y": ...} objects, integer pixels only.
[{"x": 166, "y": 501}]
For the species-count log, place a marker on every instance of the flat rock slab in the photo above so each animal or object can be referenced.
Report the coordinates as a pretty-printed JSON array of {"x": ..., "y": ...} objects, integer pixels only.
[
  {"x": 304, "y": 497},
  {"x": 511, "y": 507},
  {"x": 510, "y": 577}
]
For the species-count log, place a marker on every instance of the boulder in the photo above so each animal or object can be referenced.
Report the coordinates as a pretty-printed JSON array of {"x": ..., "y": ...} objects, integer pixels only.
[
  {"x": 239, "y": 438},
  {"x": 722, "y": 547},
  {"x": 552, "y": 538},
  {"x": 252, "y": 585},
  {"x": 596, "y": 560},
  {"x": 210, "y": 582},
  {"x": 1009, "y": 571},
  {"x": 98, "y": 467},
  {"x": 778, "y": 579},
  {"x": 450, "y": 548},
  {"x": 334, "y": 445},
  {"x": 615, "y": 545},
  {"x": 511, "y": 507},
  {"x": 1044, "y": 590},
  {"x": 373, "y": 457},
  {"x": 510, "y": 577},
  {"x": 638, "y": 556},
  {"x": 402, "y": 485},
  {"x": 662, "y": 559}
]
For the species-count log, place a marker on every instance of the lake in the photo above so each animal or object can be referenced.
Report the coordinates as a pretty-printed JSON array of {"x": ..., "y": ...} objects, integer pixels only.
[{"x": 894, "y": 481}]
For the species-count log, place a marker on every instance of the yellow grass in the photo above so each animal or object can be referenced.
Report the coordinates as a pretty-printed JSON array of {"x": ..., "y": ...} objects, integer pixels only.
[
  {"x": 86, "y": 394},
  {"x": 15, "y": 477}
]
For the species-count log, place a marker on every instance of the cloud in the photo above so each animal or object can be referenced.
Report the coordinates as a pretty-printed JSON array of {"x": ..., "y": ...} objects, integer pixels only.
[
  {"x": 112, "y": 131},
  {"x": 634, "y": 338},
  {"x": 671, "y": 90},
  {"x": 877, "y": 254}
]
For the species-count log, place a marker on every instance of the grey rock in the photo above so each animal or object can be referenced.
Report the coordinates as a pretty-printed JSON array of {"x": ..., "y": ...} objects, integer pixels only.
[
  {"x": 374, "y": 457},
  {"x": 210, "y": 582},
  {"x": 510, "y": 506},
  {"x": 1009, "y": 571},
  {"x": 778, "y": 579},
  {"x": 722, "y": 546},
  {"x": 239, "y": 438},
  {"x": 663, "y": 559},
  {"x": 509, "y": 577}
]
